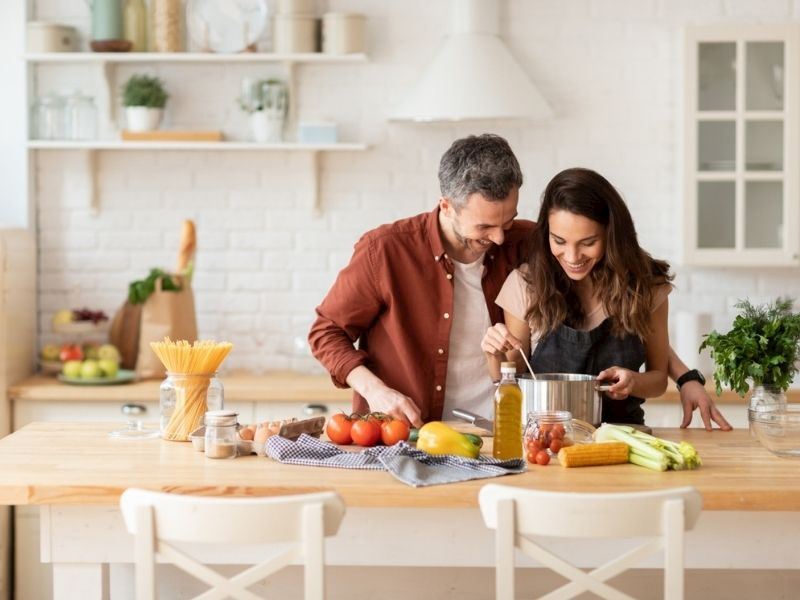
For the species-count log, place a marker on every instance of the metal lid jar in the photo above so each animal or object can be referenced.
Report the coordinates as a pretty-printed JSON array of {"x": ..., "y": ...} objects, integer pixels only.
[{"x": 220, "y": 437}]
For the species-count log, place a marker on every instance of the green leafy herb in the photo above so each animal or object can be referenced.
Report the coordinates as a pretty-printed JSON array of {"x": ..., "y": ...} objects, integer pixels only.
[
  {"x": 763, "y": 346},
  {"x": 143, "y": 90},
  {"x": 139, "y": 291}
]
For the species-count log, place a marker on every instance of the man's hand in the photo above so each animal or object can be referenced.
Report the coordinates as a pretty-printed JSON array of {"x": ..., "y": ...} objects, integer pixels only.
[
  {"x": 624, "y": 380},
  {"x": 498, "y": 341},
  {"x": 694, "y": 396},
  {"x": 382, "y": 398}
]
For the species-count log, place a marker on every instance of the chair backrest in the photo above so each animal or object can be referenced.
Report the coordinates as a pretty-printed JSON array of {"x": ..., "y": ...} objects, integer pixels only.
[
  {"x": 157, "y": 520},
  {"x": 518, "y": 514}
]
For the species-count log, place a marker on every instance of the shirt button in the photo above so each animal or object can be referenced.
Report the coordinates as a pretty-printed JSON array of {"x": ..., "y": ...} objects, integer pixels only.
[
  {"x": 441, "y": 350},
  {"x": 438, "y": 388},
  {"x": 446, "y": 315},
  {"x": 436, "y": 258},
  {"x": 449, "y": 275}
]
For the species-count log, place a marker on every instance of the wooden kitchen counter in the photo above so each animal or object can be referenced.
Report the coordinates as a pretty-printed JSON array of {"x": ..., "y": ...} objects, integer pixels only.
[
  {"x": 77, "y": 463},
  {"x": 288, "y": 386},
  {"x": 278, "y": 386}
]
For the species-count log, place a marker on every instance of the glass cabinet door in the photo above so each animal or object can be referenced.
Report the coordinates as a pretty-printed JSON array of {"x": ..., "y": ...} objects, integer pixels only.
[{"x": 742, "y": 197}]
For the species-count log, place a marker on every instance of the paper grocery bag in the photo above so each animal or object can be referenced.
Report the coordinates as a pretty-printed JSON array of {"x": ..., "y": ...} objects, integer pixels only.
[{"x": 164, "y": 313}]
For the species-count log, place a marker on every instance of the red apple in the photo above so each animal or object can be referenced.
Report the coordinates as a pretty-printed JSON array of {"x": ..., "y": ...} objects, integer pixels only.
[{"x": 70, "y": 352}]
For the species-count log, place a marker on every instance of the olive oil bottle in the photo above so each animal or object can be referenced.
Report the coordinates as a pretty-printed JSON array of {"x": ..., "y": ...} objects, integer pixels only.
[{"x": 508, "y": 414}]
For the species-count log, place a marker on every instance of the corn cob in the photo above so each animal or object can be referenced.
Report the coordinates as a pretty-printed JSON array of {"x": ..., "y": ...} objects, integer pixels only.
[{"x": 597, "y": 453}]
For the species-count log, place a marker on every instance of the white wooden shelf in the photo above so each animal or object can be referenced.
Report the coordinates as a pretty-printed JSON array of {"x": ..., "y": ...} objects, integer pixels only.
[
  {"x": 215, "y": 146},
  {"x": 191, "y": 57}
]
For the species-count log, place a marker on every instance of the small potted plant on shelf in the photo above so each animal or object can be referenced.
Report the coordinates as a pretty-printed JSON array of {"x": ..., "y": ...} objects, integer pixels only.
[
  {"x": 762, "y": 347},
  {"x": 267, "y": 103},
  {"x": 144, "y": 98}
]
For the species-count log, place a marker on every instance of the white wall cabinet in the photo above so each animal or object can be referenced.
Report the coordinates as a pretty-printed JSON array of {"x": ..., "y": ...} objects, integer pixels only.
[{"x": 741, "y": 146}]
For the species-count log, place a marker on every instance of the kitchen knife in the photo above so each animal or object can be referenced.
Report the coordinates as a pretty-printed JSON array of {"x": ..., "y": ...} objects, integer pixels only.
[{"x": 476, "y": 420}]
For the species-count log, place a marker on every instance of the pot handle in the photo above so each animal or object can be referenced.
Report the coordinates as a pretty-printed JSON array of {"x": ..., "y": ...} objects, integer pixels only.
[{"x": 603, "y": 387}]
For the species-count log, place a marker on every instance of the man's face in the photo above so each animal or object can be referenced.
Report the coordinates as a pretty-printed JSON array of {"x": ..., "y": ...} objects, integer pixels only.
[{"x": 480, "y": 222}]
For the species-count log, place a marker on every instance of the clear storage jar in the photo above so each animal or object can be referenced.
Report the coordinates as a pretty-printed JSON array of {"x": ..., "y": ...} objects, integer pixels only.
[
  {"x": 549, "y": 431},
  {"x": 220, "y": 436},
  {"x": 47, "y": 118},
  {"x": 80, "y": 117},
  {"x": 184, "y": 400}
]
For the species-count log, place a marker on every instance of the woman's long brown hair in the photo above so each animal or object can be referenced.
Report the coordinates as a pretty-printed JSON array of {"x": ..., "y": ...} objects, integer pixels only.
[{"x": 626, "y": 277}]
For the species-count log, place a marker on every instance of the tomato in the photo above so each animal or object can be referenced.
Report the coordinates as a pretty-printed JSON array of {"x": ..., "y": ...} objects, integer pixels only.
[
  {"x": 556, "y": 445},
  {"x": 532, "y": 457},
  {"x": 366, "y": 432},
  {"x": 533, "y": 446},
  {"x": 558, "y": 431},
  {"x": 338, "y": 429},
  {"x": 542, "y": 457},
  {"x": 393, "y": 431}
]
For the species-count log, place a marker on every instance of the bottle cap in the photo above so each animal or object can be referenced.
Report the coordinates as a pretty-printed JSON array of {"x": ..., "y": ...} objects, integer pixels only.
[{"x": 508, "y": 367}]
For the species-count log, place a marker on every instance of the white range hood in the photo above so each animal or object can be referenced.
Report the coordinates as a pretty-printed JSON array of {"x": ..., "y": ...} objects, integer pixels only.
[{"x": 473, "y": 75}]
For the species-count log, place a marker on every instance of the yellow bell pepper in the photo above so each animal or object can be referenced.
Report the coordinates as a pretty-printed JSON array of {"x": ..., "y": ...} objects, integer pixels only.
[{"x": 437, "y": 438}]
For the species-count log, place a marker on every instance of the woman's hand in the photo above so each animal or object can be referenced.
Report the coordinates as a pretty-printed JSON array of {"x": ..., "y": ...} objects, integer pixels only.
[
  {"x": 624, "y": 381},
  {"x": 498, "y": 341}
]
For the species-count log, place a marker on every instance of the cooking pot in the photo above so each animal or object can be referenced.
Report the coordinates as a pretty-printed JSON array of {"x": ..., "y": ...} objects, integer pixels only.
[{"x": 580, "y": 394}]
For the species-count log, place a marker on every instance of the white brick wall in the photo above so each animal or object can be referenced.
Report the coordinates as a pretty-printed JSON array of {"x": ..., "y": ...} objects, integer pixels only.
[{"x": 610, "y": 68}]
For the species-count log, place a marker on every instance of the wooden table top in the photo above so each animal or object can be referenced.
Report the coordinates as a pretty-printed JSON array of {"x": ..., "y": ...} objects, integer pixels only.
[
  {"x": 277, "y": 386},
  {"x": 77, "y": 463}
]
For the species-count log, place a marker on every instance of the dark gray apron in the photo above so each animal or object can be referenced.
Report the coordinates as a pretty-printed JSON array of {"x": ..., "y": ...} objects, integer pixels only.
[{"x": 568, "y": 350}]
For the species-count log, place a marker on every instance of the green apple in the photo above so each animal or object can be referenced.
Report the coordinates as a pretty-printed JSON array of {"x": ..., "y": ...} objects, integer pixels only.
[
  {"x": 91, "y": 350},
  {"x": 63, "y": 317},
  {"x": 90, "y": 369},
  {"x": 72, "y": 368},
  {"x": 108, "y": 351},
  {"x": 108, "y": 366},
  {"x": 50, "y": 352}
]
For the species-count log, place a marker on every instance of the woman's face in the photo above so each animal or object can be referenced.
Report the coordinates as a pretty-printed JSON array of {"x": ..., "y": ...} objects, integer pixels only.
[{"x": 577, "y": 242}]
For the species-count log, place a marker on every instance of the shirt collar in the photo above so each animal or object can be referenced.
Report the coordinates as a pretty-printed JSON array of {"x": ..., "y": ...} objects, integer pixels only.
[{"x": 434, "y": 235}]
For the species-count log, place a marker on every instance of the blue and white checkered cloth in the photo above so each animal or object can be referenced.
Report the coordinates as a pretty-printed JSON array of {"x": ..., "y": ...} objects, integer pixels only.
[{"x": 411, "y": 466}]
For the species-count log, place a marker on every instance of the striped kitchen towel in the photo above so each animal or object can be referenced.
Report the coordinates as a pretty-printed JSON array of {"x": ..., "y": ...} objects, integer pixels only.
[{"x": 409, "y": 465}]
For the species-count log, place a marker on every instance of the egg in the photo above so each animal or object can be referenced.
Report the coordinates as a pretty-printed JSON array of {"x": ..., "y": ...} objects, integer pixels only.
[{"x": 248, "y": 433}]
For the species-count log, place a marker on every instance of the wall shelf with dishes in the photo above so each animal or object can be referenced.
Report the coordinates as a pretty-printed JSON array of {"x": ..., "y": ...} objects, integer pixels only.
[{"x": 214, "y": 35}]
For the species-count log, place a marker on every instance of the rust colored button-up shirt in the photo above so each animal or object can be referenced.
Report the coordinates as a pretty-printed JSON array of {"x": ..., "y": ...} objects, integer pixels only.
[{"x": 395, "y": 298}]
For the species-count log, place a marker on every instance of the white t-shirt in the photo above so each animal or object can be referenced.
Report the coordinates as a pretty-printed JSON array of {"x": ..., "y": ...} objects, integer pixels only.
[{"x": 468, "y": 384}]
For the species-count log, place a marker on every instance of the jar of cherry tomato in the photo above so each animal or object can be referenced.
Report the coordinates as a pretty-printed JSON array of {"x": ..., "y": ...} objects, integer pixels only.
[{"x": 546, "y": 432}]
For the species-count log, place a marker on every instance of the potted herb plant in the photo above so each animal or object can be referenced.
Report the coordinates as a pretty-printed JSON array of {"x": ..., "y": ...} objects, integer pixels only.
[
  {"x": 762, "y": 347},
  {"x": 144, "y": 98},
  {"x": 267, "y": 103}
]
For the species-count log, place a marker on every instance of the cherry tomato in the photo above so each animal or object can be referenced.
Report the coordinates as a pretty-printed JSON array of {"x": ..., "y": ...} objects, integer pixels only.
[
  {"x": 393, "y": 431},
  {"x": 532, "y": 457},
  {"x": 338, "y": 429},
  {"x": 542, "y": 457},
  {"x": 558, "y": 431},
  {"x": 533, "y": 445},
  {"x": 366, "y": 432},
  {"x": 556, "y": 445}
]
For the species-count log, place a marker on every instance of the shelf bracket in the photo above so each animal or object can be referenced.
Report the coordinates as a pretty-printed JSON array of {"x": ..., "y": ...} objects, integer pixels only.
[
  {"x": 313, "y": 183},
  {"x": 107, "y": 108},
  {"x": 92, "y": 193}
]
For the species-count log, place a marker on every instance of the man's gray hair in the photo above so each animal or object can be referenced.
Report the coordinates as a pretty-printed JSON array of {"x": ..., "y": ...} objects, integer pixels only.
[{"x": 481, "y": 164}]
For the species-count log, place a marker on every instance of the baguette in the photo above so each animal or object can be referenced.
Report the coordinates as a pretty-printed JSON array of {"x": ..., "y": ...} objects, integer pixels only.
[{"x": 187, "y": 247}]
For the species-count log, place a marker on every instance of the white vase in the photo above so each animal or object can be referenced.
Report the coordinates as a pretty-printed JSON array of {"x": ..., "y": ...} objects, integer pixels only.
[
  {"x": 143, "y": 118},
  {"x": 267, "y": 127}
]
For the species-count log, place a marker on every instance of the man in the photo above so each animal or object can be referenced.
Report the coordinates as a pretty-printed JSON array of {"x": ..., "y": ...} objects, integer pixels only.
[{"x": 418, "y": 295}]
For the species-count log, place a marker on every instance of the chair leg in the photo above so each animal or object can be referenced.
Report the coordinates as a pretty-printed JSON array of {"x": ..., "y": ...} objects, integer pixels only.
[
  {"x": 673, "y": 549},
  {"x": 504, "y": 550},
  {"x": 144, "y": 550},
  {"x": 314, "y": 542}
]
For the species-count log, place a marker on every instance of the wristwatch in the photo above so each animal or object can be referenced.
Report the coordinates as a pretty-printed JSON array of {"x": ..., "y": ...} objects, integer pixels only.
[{"x": 691, "y": 375}]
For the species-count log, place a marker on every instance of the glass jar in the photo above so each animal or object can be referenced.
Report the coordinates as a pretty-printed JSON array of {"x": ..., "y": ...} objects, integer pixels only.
[
  {"x": 183, "y": 401},
  {"x": 80, "y": 117},
  {"x": 548, "y": 431},
  {"x": 47, "y": 118},
  {"x": 220, "y": 437},
  {"x": 762, "y": 399}
]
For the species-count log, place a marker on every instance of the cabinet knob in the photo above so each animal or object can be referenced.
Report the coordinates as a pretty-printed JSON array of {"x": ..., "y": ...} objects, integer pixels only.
[
  {"x": 315, "y": 409},
  {"x": 133, "y": 410}
]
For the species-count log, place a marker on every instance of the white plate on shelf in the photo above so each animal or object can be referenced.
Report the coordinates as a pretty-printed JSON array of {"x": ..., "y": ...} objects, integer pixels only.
[
  {"x": 80, "y": 327},
  {"x": 225, "y": 26}
]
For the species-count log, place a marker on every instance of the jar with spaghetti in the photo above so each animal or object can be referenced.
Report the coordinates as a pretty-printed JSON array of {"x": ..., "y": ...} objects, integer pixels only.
[
  {"x": 175, "y": 385},
  {"x": 188, "y": 391}
]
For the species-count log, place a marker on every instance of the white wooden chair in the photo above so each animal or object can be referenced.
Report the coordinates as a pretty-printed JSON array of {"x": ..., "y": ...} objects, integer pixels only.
[
  {"x": 158, "y": 520},
  {"x": 516, "y": 514}
]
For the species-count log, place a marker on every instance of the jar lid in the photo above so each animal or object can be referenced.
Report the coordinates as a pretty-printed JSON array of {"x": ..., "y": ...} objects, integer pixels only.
[
  {"x": 221, "y": 417},
  {"x": 508, "y": 367}
]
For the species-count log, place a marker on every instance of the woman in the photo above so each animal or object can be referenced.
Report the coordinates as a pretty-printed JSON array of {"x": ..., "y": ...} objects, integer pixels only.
[{"x": 589, "y": 299}]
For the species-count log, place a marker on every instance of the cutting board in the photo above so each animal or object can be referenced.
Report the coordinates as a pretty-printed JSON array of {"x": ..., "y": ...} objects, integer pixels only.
[{"x": 172, "y": 135}]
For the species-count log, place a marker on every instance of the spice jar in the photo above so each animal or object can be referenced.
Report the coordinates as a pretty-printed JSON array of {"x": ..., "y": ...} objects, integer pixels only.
[
  {"x": 184, "y": 399},
  {"x": 547, "y": 431},
  {"x": 167, "y": 23},
  {"x": 220, "y": 439}
]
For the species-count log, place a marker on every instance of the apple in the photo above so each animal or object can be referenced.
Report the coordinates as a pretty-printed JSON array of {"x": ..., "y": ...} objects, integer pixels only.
[
  {"x": 91, "y": 350},
  {"x": 72, "y": 368},
  {"x": 70, "y": 352},
  {"x": 90, "y": 370},
  {"x": 49, "y": 352},
  {"x": 109, "y": 351},
  {"x": 63, "y": 317},
  {"x": 108, "y": 367}
]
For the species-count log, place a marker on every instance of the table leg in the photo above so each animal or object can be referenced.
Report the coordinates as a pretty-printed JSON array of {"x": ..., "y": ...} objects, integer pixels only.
[{"x": 79, "y": 581}]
